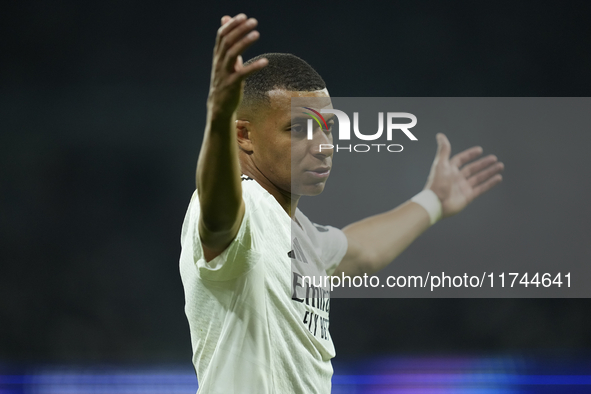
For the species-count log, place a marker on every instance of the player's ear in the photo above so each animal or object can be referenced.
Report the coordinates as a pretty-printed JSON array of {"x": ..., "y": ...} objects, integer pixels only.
[{"x": 243, "y": 134}]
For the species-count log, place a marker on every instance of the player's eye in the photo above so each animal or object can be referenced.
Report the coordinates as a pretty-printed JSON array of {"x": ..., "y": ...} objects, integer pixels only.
[{"x": 296, "y": 128}]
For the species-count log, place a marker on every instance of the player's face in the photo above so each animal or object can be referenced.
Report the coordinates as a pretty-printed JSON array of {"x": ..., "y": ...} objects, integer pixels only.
[{"x": 284, "y": 154}]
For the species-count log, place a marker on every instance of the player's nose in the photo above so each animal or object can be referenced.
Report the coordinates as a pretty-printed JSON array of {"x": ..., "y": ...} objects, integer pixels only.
[{"x": 322, "y": 148}]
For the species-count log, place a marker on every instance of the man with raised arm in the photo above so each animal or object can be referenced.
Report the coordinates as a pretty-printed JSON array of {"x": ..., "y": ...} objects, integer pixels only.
[{"x": 250, "y": 332}]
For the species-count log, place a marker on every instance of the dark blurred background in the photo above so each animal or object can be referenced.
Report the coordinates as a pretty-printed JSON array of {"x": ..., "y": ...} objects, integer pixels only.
[{"x": 102, "y": 111}]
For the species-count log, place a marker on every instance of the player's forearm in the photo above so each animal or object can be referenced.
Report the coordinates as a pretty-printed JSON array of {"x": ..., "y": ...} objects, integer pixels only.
[
  {"x": 218, "y": 175},
  {"x": 381, "y": 238}
]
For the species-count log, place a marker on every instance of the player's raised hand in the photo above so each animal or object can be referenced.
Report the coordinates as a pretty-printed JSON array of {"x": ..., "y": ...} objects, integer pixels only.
[
  {"x": 228, "y": 73},
  {"x": 459, "y": 180}
]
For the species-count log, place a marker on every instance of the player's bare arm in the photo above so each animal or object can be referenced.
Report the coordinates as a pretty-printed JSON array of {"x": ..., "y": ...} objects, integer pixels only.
[
  {"x": 376, "y": 241},
  {"x": 218, "y": 170}
]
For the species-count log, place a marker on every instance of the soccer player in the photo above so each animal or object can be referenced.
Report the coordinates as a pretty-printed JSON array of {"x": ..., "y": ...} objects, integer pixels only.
[{"x": 250, "y": 333}]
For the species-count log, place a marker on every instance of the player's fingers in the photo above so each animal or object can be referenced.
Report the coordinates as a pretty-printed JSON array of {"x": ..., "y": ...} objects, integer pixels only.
[
  {"x": 237, "y": 36},
  {"x": 228, "y": 24},
  {"x": 468, "y": 155},
  {"x": 239, "y": 63},
  {"x": 472, "y": 168},
  {"x": 244, "y": 72},
  {"x": 443, "y": 147},
  {"x": 240, "y": 47},
  {"x": 227, "y": 28},
  {"x": 485, "y": 174},
  {"x": 486, "y": 186}
]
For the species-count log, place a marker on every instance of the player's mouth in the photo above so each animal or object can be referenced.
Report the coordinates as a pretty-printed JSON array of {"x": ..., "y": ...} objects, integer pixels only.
[{"x": 320, "y": 172}]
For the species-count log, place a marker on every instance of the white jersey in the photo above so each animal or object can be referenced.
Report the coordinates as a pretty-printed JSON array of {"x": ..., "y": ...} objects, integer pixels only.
[{"x": 248, "y": 334}]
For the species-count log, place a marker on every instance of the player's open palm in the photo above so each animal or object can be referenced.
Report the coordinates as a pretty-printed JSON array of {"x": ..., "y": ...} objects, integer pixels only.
[
  {"x": 228, "y": 73},
  {"x": 459, "y": 180}
]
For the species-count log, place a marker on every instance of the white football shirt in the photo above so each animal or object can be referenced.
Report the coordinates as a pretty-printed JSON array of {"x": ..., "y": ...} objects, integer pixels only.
[{"x": 250, "y": 332}]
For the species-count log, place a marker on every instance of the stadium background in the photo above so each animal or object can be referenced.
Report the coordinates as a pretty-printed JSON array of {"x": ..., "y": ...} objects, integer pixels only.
[{"x": 103, "y": 110}]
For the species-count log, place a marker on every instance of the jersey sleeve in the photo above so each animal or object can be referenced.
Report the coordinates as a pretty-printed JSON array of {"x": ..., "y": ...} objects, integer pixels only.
[
  {"x": 238, "y": 258},
  {"x": 334, "y": 246}
]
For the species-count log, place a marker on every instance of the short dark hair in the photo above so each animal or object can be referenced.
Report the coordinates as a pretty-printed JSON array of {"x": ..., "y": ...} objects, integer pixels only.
[{"x": 284, "y": 71}]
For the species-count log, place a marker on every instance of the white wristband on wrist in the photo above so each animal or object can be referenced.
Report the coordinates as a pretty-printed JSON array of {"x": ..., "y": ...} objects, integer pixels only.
[{"x": 429, "y": 200}]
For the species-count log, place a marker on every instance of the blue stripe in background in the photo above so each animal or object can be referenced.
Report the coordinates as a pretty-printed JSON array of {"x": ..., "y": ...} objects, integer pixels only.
[{"x": 392, "y": 375}]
